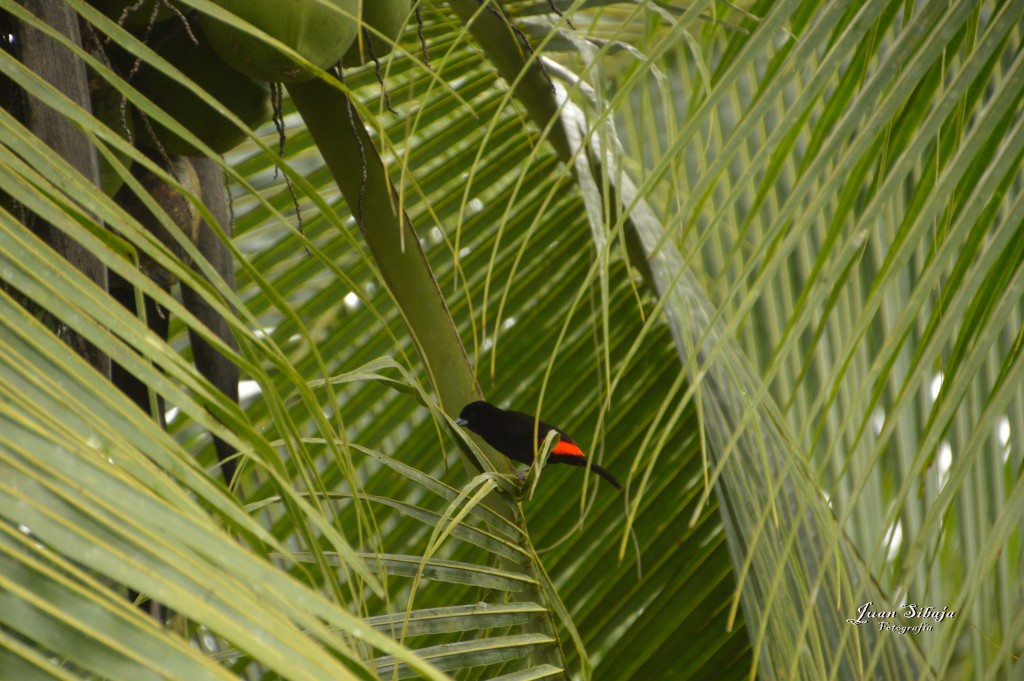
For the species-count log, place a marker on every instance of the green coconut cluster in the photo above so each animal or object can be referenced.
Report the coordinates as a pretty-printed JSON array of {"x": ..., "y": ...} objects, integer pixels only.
[
  {"x": 382, "y": 22},
  {"x": 322, "y": 33},
  {"x": 319, "y": 32},
  {"x": 246, "y": 98},
  {"x": 224, "y": 55}
]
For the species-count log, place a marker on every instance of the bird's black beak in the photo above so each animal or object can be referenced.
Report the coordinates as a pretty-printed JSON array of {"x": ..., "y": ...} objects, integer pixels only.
[{"x": 461, "y": 422}]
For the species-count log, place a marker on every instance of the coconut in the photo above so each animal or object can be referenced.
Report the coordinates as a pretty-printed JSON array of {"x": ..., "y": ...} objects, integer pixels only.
[
  {"x": 318, "y": 32},
  {"x": 245, "y": 97},
  {"x": 385, "y": 17}
]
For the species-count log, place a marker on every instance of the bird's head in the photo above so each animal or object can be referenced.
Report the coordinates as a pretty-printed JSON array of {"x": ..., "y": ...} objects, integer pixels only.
[{"x": 476, "y": 413}]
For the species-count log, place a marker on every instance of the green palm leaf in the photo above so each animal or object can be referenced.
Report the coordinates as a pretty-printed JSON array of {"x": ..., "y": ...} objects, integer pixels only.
[{"x": 740, "y": 309}]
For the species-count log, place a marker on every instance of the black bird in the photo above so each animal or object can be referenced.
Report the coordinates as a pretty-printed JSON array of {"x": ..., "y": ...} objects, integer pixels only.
[{"x": 512, "y": 434}]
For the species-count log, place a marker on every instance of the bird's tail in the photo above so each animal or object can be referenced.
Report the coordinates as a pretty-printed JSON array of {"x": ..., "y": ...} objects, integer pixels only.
[{"x": 606, "y": 475}]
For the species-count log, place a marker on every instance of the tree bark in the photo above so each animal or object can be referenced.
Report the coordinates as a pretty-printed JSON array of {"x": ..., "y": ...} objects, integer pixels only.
[
  {"x": 221, "y": 371},
  {"x": 61, "y": 68}
]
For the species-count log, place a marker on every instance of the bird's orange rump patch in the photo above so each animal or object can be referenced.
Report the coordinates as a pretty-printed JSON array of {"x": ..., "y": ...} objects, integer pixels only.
[{"x": 567, "y": 449}]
